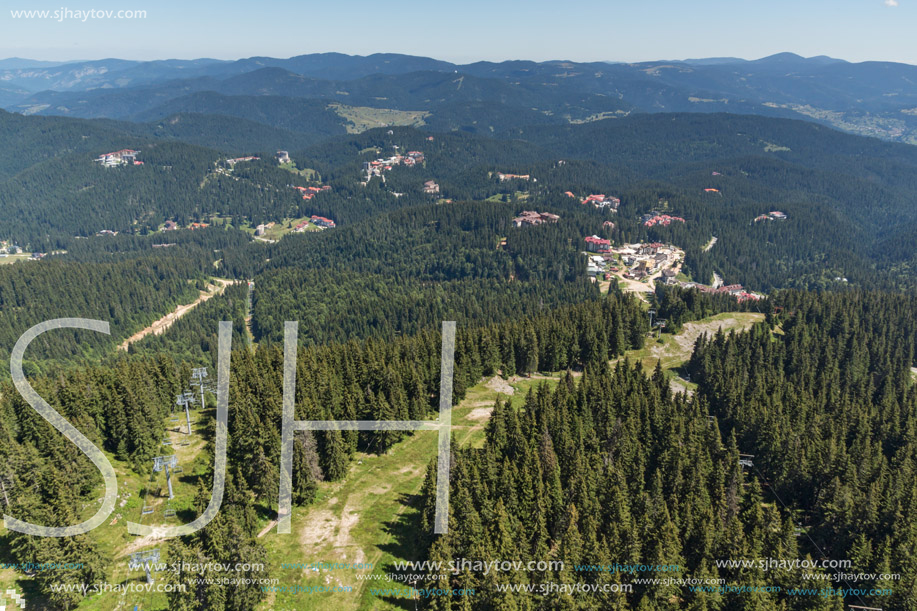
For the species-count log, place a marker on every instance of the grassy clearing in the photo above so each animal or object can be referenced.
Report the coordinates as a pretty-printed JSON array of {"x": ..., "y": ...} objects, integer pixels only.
[
  {"x": 517, "y": 196},
  {"x": 674, "y": 350},
  {"x": 286, "y": 226},
  {"x": 372, "y": 516},
  {"x": 307, "y": 173},
  {"x": 10, "y": 259},
  {"x": 362, "y": 118}
]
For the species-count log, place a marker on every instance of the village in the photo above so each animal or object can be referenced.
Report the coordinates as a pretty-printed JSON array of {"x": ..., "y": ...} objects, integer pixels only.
[
  {"x": 776, "y": 215},
  {"x": 381, "y": 165},
  {"x": 600, "y": 201},
  {"x": 119, "y": 158},
  {"x": 637, "y": 268},
  {"x": 10, "y": 253}
]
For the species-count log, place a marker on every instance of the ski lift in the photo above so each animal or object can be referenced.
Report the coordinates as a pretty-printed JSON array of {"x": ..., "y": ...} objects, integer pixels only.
[
  {"x": 147, "y": 560},
  {"x": 147, "y": 510}
]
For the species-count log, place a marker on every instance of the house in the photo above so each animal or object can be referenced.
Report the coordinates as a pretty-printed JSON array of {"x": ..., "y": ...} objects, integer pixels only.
[
  {"x": 322, "y": 222},
  {"x": 662, "y": 219},
  {"x": 310, "y": 192},
  {"x": 170, "y": 226},
  {"x": 778, "y": 215},
  {"x": 504, "y": 177},
  {"x": 233, "y": 162},
  {"x": 283, "y": 157},
  {"x": 608, "y": 225},
  {"x": 597, "y": 244},
  {"x": 530, "y": 217},
  {"x": 649, "y": 249},
  {"x": 603, "y": 201},
  {"x": 122, "y": 157},
  {"x": 569, "y": 194},
  {"x": 710, "y": 190},
  {"x": 430, "y": 187},
  {"x": 259, "y": 230}
]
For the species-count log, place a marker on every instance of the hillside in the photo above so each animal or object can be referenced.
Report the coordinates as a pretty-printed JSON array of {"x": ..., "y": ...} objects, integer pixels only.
[
  {"x": 849, "y": 200},
  {"x": 868, "y": 98}
]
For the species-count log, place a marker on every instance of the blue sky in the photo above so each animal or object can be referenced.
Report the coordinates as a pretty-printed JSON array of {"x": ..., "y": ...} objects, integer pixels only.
[{"x": 469, "y": 30}]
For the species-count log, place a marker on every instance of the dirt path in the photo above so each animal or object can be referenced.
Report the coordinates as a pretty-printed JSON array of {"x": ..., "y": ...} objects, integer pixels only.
[
  {"x": 249, "y": 314},
  {"x": 159, "y": 327},
  {"x": 267, "y": 528},
  {"x": 710, "y": 244}
]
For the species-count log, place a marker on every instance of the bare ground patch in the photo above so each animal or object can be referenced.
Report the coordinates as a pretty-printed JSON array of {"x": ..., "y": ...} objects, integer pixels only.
[
  {"x": 692, "y": 330},
  {"x": 480, "y": 413},
  {"x": 319, "y": 528},
  {"x": 499, "y": 385}
]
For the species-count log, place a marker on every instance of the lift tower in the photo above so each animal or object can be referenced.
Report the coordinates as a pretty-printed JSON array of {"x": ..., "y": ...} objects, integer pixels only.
[
  {"x": 147, "y": 560},
  {"x": 168, "y": 464}
]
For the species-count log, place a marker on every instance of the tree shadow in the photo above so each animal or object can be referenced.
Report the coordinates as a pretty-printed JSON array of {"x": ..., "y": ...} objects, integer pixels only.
[
  {"x": 406, "y": 541},
  {"x": 402, "y": 603}
]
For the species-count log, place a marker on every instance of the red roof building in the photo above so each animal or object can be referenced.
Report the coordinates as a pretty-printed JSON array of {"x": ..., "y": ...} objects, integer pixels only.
[
  {"x": 322, "y": 221},
  {"x": 597, "y": 244},
  {"x": 663, "y": 219}
]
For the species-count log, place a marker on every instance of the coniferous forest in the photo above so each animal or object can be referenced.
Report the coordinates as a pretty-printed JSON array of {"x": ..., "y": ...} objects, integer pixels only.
[{"x": 585, "y": 439}]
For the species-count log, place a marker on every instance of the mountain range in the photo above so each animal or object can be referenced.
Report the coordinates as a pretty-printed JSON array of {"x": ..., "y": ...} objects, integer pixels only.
[{"x": 870, "y": 98}]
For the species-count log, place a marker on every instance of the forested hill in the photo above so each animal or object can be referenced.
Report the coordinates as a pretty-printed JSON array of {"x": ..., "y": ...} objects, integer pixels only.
[
  {"x": 851, "y": 201},
  {"x": 870, "y": 98},
  {"x": 798, "y": 444}
]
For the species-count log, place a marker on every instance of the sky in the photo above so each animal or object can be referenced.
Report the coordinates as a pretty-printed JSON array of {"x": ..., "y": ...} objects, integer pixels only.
[{"x": 465, "y": 30}]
